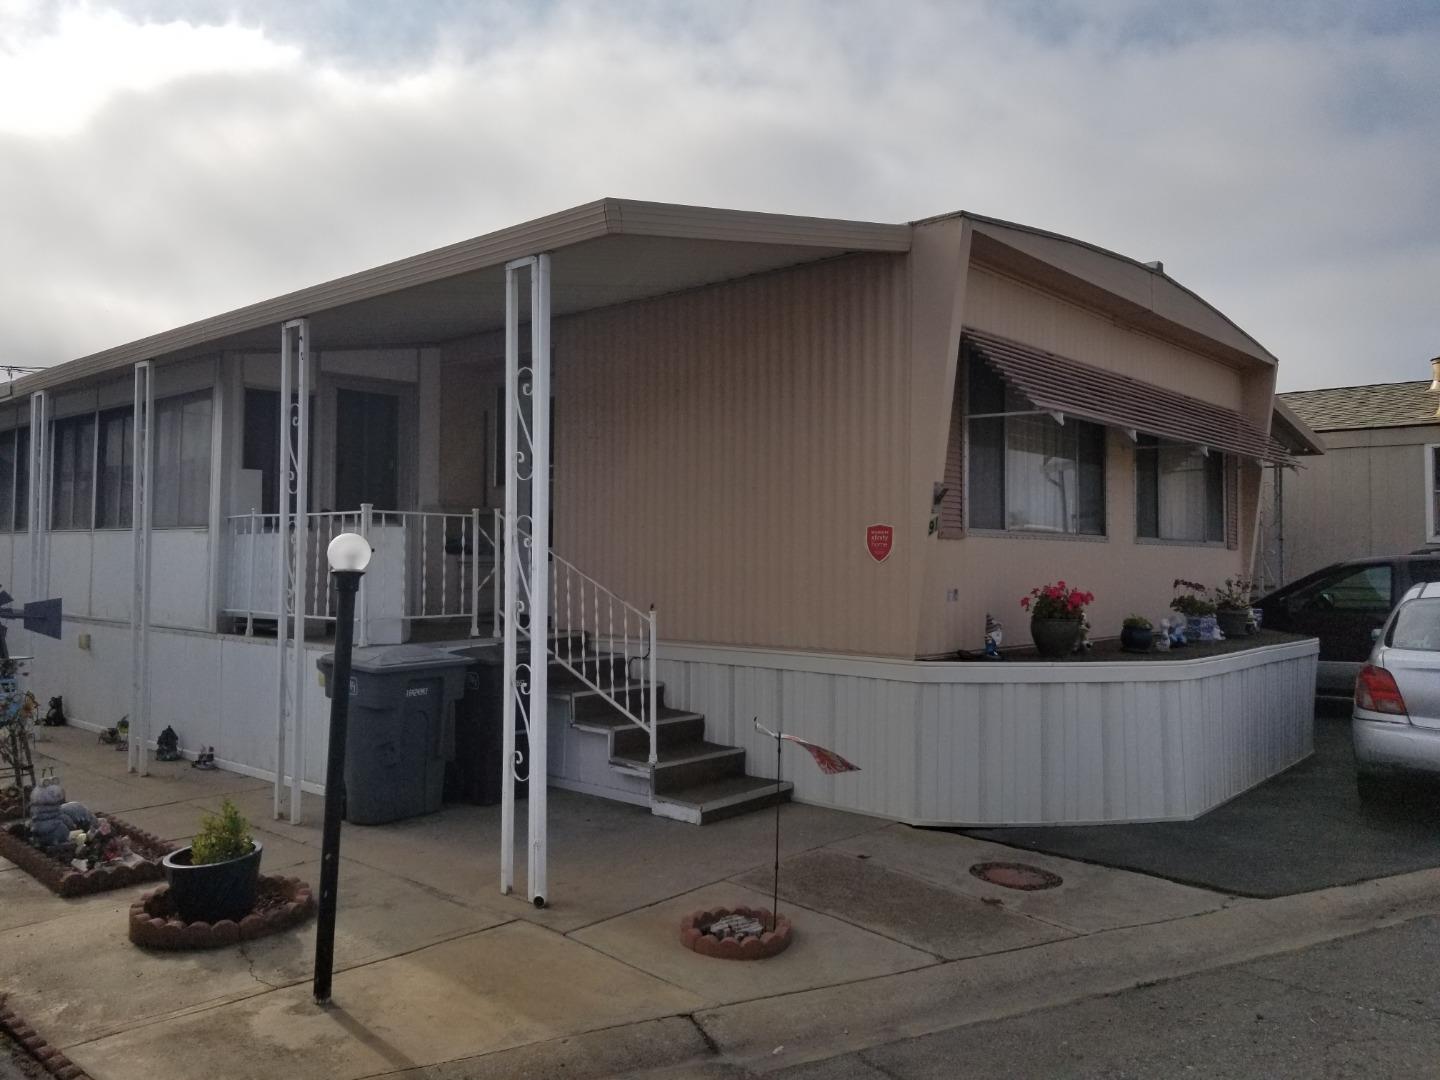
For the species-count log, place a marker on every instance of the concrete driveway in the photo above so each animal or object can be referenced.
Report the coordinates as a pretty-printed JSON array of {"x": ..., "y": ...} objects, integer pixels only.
[{"x": 1303, "y": 830}]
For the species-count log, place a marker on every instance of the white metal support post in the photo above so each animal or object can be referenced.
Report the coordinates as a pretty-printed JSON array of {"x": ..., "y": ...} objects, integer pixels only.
[
  {"x": 142, "y": 459},
  {"x": 293, "y": 518},
  {"x": 39, "y": 510},
  {"x": 527, "y": 462}
]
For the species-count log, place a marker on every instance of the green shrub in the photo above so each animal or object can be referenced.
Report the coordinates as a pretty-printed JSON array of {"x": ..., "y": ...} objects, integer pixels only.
[
  {"x": 1138, "y": 622},
  {"x": 222, "y": 837}
]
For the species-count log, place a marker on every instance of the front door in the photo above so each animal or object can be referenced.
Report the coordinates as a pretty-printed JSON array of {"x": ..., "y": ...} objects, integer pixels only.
[{"x": 367, "y": 450}]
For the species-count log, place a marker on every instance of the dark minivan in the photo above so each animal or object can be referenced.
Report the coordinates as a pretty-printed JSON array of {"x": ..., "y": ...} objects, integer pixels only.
[{"x": 1342, "y": 605}]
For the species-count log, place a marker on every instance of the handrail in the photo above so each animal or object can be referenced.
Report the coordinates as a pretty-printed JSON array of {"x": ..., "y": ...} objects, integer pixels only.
[{"x": 584, "y": 611}]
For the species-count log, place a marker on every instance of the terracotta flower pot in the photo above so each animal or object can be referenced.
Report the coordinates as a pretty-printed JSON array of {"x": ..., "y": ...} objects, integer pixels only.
[{"x": 1055, "y": 638}]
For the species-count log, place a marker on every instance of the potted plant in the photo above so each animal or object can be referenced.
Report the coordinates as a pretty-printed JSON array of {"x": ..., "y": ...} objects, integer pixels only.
[
  {"x": 217, "y": 876},
  {"x": 1057, "y": 615},
  {"x": 1137, "y": 634},
  {"x": 1232, "y": 606},
  {"x": 1197, "y": 607}
]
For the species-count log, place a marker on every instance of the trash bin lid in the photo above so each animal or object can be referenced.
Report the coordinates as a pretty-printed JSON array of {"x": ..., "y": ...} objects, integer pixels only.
[{"x": 390, "y": 659}]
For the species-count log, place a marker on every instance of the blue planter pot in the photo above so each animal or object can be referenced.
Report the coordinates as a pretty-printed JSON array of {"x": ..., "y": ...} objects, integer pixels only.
[{"x": 214, "y": 891}]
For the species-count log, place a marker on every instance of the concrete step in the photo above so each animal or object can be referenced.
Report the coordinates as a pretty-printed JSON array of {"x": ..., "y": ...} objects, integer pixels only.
[
  {"x": 683, "y": 765},
  {"x": 675, "y": 727},
  {"x": 715, "y": 800},
  {"x": 586, "y": 703}
]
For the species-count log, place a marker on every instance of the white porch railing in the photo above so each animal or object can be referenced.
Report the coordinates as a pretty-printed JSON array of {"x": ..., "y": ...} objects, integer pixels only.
[
  {"x": 429, "y": 566},
  {"x": 583, "y": 613}
]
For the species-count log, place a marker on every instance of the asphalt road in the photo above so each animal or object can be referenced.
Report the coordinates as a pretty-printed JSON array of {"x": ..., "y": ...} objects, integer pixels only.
[
  {"x": 1303, "y": 830},
  {"x": 1367, "y": 1006}
]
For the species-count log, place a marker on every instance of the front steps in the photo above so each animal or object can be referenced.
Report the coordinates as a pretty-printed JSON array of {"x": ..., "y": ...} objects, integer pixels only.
[{"x": 693, "y": 780}]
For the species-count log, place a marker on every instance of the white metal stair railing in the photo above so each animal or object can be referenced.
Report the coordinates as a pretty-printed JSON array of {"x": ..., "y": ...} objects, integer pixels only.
[
  {"x": 583, "y": 613},
  {"x": 447, "y": 564}
]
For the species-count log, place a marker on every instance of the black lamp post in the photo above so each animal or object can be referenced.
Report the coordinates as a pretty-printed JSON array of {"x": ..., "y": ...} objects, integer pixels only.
[{"x": 349, "y": 554}]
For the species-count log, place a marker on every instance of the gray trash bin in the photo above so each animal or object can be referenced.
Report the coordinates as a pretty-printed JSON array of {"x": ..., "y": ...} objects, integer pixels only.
[{"x": 401, "y": 731}]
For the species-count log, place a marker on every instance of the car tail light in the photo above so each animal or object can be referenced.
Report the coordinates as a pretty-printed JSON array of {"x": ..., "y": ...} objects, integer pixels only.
[{"x": 1376, "y": 691}]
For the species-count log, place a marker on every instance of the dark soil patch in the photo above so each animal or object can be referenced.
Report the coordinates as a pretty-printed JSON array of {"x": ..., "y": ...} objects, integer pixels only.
[
  {"x": 280, "y": 903},
  {"x": 55, "y": 872},
  {"x": 29, "y": 1052}
]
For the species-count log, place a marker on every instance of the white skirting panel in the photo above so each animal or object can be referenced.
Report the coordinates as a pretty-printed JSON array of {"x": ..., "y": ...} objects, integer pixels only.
[{"x": 1013, "y": 742}]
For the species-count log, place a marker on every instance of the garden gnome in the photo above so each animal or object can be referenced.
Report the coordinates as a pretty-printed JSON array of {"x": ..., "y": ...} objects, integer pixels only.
[
  {"x": 47, "y": 824},
  {"x": 994, "y": 634}
]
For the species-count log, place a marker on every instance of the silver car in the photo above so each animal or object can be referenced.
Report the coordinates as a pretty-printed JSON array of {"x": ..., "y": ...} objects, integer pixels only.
[{"x": 1396, "y": 720}]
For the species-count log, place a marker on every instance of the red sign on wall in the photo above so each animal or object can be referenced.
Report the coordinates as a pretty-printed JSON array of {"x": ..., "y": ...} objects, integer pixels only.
[{"x": 879, "y": 539}]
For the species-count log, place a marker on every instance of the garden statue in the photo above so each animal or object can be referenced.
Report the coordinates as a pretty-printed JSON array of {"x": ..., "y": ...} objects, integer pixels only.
[
  {"x": 55, "y": 715},
  {"x": 994, "y": 634},
  {"x": 167, "y": 746},
  {"x": 47, "y": 823},
  {"x": 77, "y": 816}
]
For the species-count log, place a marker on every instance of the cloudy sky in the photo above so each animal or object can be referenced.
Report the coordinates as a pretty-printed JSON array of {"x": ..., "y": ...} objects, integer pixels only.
[{"x": 162, "y": 160}]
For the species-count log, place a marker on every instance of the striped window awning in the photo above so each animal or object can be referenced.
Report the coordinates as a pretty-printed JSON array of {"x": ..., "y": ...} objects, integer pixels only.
[{"x": 1058, "y": 385}]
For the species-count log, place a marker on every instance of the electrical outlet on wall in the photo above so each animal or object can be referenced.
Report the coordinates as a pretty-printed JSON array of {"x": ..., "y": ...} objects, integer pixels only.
[{"x": 952, "y": 595}]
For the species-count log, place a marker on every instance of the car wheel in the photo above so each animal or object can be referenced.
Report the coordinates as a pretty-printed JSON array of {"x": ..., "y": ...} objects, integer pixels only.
[{"x": 1372, "y": 788}]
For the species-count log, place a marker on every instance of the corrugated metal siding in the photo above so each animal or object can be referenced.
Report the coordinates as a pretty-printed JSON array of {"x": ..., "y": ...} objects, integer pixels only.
[
  {"x": 952, "y": 506},
  {"x": 1001, "y": 305},
  {"x": 1021, "y": 745},
  {"x": 720, "y": 453}
]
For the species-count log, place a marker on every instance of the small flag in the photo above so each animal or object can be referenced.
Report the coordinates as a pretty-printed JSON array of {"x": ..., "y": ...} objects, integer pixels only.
[{"x": 829, "y": 761}]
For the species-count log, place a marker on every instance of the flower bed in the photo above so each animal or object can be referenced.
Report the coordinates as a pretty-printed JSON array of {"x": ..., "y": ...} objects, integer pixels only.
[
  {"x": 57, "y": 874},
  {"x": 695, "y": 927},
  {"x": 46, "y": 1056},
  {"x": 281, "y": 903}
]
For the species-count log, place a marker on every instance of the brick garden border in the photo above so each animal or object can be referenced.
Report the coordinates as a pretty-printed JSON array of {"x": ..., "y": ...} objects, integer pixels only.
[
  {"x": 64, "y": 880},
  {"x": 48, "y": 1057},
  {"x": 154, "y": 925},
  {"x": 768, "y": 944}
]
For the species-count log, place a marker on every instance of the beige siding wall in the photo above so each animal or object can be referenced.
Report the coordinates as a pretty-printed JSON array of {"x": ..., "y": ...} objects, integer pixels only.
[
  {"x": 721, "y": 452},
  {"x": 1002, "y": 305},
  {"x": 1365, "y": 496},
  {"x": 989, "y": 574},
  {"x": 966, "y": 578}
]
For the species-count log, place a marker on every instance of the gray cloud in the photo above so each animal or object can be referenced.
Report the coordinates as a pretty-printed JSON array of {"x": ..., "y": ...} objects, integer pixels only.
[{"x": 1282, "y": 160}]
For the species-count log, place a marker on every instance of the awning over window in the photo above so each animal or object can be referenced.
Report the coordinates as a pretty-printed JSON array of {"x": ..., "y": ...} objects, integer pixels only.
[{"x": 1055, "y": 384}]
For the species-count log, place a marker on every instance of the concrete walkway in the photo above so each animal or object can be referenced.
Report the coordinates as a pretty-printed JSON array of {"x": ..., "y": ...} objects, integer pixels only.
[{"x": 440, "y": 976}]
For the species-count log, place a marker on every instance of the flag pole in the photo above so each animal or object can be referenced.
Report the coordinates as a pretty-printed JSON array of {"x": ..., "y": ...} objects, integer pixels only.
[{"x": 775, "y": 895}]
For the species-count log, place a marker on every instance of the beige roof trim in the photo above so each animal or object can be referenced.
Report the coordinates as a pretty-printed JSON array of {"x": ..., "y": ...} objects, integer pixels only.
[
  {"x": 1151, "y": 296},
  {"x": 591, "y": 221}
]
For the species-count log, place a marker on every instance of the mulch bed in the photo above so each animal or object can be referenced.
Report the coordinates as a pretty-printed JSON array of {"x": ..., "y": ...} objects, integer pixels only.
[
  {"x": 694, "y": 935},
  {"x": 280, "y": 903},
  {"x": 57, "y": 875},
  {"x": 48, "y": 1057}
]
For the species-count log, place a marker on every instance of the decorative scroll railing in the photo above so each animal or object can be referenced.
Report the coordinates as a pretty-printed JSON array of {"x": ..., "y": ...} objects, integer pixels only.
[
  {"x": 584, "y": 616},
  {"x": 428, "y": 566}
]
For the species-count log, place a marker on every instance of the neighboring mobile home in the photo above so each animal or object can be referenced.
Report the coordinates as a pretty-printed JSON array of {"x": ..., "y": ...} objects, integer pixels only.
[
  {"x": 1376, "y": 491},
  {"x": 823, "y": 451}
]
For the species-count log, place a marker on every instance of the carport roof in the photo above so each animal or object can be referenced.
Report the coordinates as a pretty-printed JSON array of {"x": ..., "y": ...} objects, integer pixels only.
[{"x": 604, "y": 252}]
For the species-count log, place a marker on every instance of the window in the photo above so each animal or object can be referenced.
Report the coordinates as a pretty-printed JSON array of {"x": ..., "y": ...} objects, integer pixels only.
[
  {"x": 1179, "y": 492},
  {"x": 7, "y": 480},
  {"x": 1366, "y": 590},
  {"x": 367, "y": 449},
  {"x": 114, "y": 469},
  {"x": 22, "y": 478},
  {"x": 182, "y": 461},
  {"x": 72, "y": 491},
  {"x": 1027, "y": 471},
  {"x": 1417, "y": 626}
]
